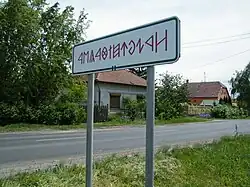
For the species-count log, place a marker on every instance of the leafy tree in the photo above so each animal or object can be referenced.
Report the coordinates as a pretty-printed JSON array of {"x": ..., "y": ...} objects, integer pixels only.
[
  {"x": 221, "y": 102},
  {"x": 18, "y": 24},
  {"x": 225, "y": 100},
  {"x": 75, "y": 93},
  {"x": 171, "y": 96},
  {"x": 141, "y": 72},
  {"x": 35, "y": 56},
  {"x": 229, "y": 100},
  {"x": 35, "y": 49},
  {"x": 240, "y": 83}
]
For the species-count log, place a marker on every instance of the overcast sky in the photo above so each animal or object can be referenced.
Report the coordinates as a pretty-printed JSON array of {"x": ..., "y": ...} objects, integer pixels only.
[{"x": 200, "y": 20}]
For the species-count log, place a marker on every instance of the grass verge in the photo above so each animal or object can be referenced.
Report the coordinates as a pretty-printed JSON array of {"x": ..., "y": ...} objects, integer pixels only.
[
  {"x": 112, "y": 123},
  {"x": 224, "y": 163}
]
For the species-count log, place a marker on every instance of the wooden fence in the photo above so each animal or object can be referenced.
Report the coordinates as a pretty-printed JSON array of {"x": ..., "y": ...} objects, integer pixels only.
[
  {"x": 197, "y": 110},
  {"x": 100, "y": 113}
]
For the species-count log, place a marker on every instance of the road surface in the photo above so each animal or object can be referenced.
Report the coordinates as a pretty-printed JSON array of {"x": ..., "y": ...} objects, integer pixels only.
[{"x": 22, "y": 150}]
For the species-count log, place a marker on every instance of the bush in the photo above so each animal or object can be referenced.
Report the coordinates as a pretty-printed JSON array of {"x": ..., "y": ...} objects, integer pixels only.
[
  {"x": 76, "y": 93},
  {"x": 8, "y": 114},
  {"x": 71, "y": 113},
  {"x": 65, "y": 109},
  {"x": 228, "y": 112},
  {"x": 29, "y": 114},
  {"x": 61, "y": 114},
  {"x": 134, "y": 108},
  {"x": 49, "y": 115},
  {"x": 118, "y": 118}
]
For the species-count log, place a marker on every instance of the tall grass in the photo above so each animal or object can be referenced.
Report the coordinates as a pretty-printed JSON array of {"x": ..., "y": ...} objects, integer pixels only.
[{"x": 226, "y": 163}]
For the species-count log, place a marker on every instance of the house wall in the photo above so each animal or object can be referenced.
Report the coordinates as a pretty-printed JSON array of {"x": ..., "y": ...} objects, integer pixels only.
[
  {"x": 198, "y": 100},
  {"x": 223, "y": 93},
  {"x": 125, "y": 90}
]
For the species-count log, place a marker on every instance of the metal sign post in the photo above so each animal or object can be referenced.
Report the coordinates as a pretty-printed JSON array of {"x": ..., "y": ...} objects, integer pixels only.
[
  {"x": 149, "y": 182},
  {"x": 90, "y": 123}
]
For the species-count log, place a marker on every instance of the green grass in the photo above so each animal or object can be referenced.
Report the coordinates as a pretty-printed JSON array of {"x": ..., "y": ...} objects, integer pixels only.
[
  {"x": 22, "y": 127},
  {"x": 182, "y": 120},
  {"x": 113, "y": 123},
  {"x": 221, "y": 164}
]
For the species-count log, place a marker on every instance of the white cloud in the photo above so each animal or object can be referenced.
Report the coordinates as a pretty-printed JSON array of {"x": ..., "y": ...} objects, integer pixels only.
[{"x": 199, "y": 20}]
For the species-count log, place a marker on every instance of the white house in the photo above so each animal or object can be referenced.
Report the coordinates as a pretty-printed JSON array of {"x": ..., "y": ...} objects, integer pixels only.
[{"x": 111, "y": 87}]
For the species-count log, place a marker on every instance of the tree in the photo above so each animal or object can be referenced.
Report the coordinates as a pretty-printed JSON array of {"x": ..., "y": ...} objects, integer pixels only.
[
  {"x": 240, "y": 83},
  {"x": 16, "y": 32},
  {"x": 229, "y": 101},
  {"x": 171, "y": 96},
  {"x": 225, "y": 100},
  {"x": 221, "y": 102},
  {"x": 141, "y": 72},
  {"x": 35, "y": 49}
]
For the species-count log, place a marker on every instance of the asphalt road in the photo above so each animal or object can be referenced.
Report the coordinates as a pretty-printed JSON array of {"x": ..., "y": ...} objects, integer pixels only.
[{"x": 16, "y": 148}]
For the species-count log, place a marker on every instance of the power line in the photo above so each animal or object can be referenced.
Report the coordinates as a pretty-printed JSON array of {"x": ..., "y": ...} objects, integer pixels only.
[
  {"x": 222, "y": 59},
  {"x": 216, "y": 43},
  {"x": 212, "y": 39}
]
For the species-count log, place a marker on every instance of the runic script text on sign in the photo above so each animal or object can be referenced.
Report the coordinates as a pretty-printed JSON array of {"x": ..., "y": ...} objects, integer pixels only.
[
  {"x": 123, "y": 49},
  {"x": 153, "y": 43}
]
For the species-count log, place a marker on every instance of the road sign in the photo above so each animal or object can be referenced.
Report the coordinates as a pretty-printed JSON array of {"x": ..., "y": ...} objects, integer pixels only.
[
  {"x": 151, "y": 44},
  {"x": 148, "y": 45}
]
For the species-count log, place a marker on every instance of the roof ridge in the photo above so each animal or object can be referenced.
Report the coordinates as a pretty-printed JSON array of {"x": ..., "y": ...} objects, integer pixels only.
[
  {"x": 206, "y": 82},
  {"x": 210, "y": 82},
  {"x": 121, "y": 77},
  {"x": 135, "y": 75}
]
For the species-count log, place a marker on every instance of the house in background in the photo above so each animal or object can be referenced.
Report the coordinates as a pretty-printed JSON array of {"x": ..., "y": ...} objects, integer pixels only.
[
  {"x": 207, "y": 93},
  {"x": 111, "y": 87}
]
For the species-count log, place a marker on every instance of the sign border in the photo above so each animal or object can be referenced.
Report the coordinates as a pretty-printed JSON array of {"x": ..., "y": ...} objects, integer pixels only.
[{"x": 144, "y": 64}]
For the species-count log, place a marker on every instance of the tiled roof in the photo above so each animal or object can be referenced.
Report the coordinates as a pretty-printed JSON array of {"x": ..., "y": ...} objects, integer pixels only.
[
  {"x": 121, "y": 77},
  {"x": 204, "y": 89}
]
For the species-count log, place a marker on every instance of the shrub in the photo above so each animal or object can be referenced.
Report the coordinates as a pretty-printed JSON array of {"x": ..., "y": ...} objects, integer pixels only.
[
  {"x": 228, "y": 112},
  {"x": 8, "y": 114},
  {"x": 17, "y": 113},
  {"x": 29, "y": 114},
  {"x": 118, "y": 117},
  {"x": 49, "y": 115},
  {"x": 76, "y": 93},
  {"x": 61, "y": 114},
  {"x": 71, "y": 113},
  {"x": 134, "y": 108},
  {"x": 63, "y": 111}
]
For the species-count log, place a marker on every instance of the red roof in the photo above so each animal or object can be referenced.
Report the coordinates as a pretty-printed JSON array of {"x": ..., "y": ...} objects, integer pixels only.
[
  {"x": 121, "y": 77},
  {"x": 204, "y": 89}
]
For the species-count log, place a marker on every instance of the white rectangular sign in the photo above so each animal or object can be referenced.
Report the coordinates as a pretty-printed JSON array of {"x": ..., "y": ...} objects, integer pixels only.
[{"x": 151, "y": 44}]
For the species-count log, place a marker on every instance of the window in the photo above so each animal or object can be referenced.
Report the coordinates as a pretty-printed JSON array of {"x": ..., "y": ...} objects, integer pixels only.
[{"x": 115, "y": 101}]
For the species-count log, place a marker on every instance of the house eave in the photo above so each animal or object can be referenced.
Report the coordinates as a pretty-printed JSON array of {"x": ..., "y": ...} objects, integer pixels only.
[{"x": 116, "y": 83}]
